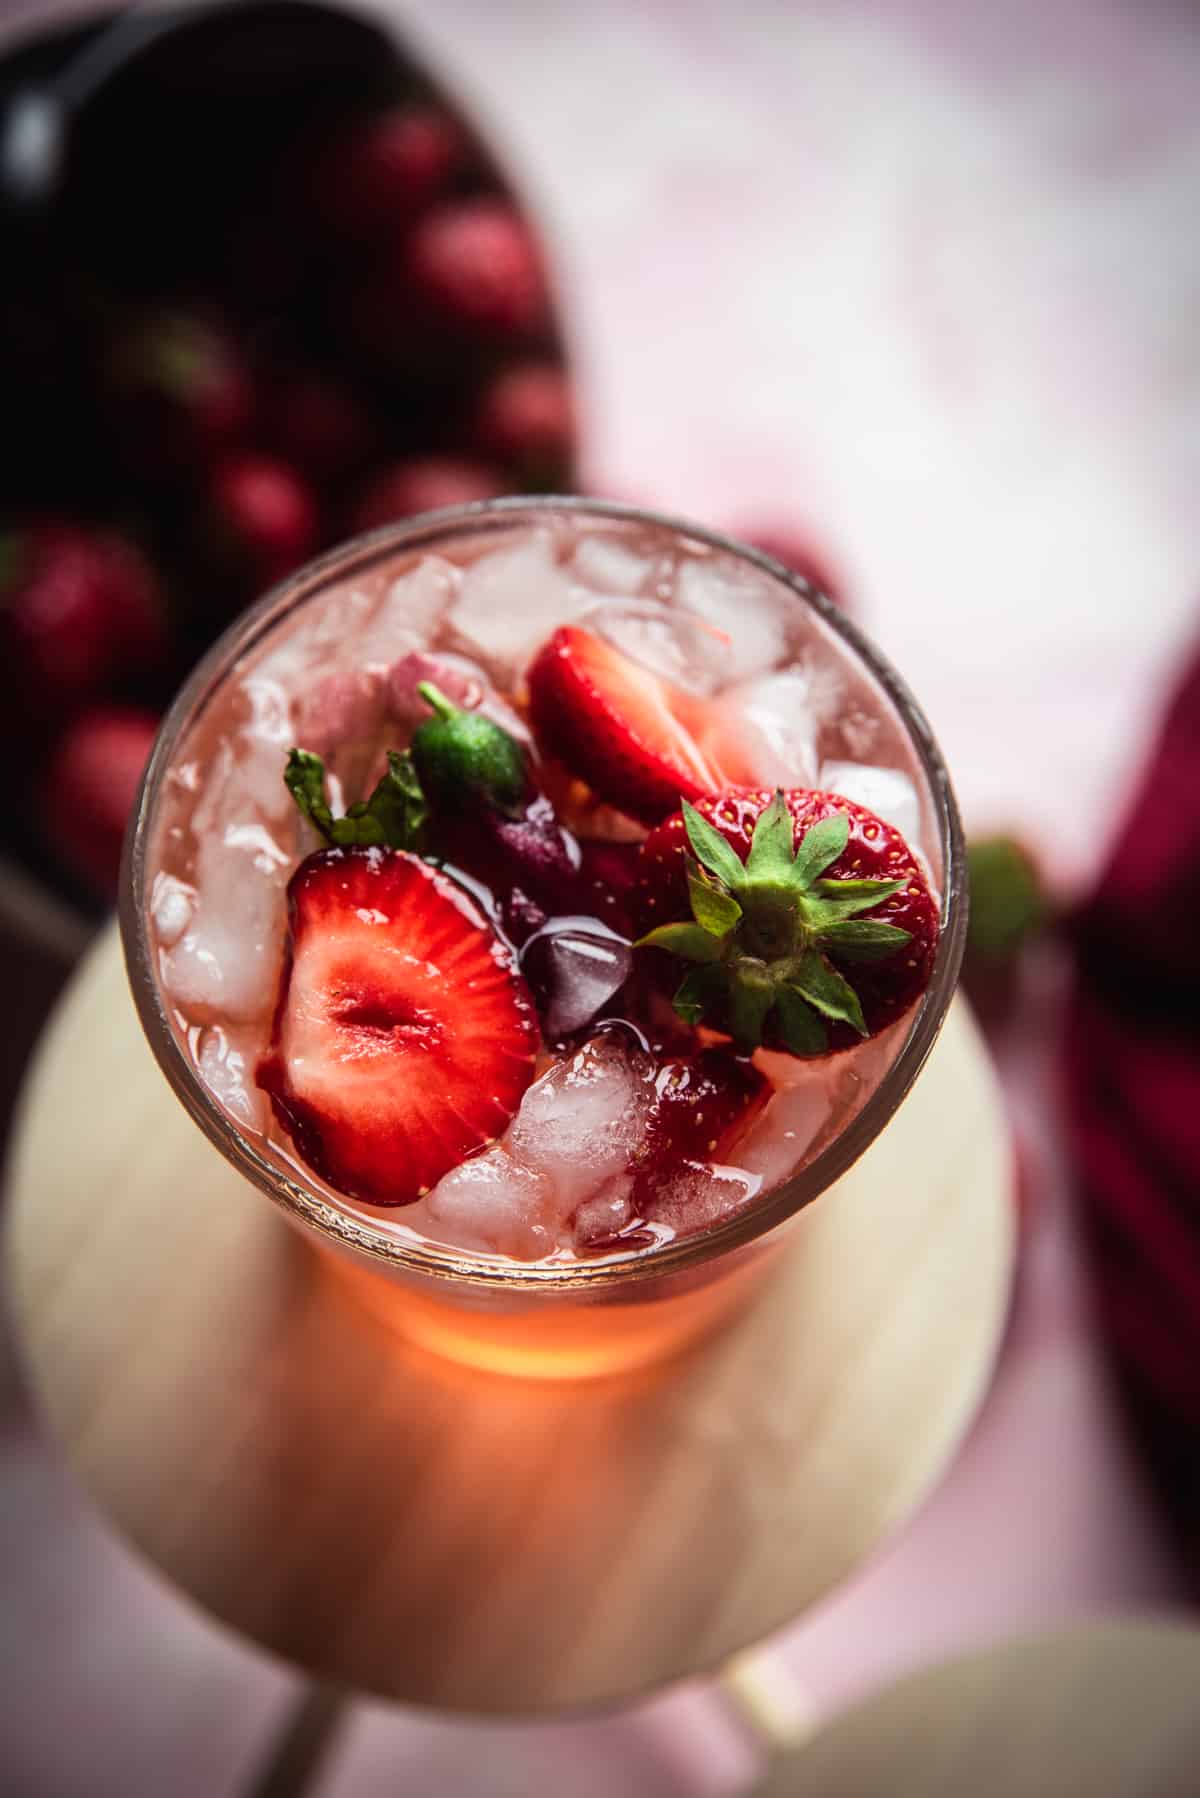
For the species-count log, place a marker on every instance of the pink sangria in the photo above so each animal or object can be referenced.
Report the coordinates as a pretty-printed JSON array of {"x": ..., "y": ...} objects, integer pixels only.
[{"x": 543, "y": 902}]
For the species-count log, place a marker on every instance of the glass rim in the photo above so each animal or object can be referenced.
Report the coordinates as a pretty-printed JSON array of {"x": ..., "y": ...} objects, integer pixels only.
[{"x": 356, "y": 1230}]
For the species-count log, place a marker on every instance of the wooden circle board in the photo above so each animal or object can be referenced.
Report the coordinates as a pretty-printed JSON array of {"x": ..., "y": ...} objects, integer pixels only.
[
  {"x": 402, "y": 1525},
  {"x": 1107, "y": 1712}
]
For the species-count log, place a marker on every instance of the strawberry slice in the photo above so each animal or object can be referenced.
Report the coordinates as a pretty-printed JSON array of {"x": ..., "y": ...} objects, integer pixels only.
[
  {"x": 703, "y": 1105},
  {"x": 404, "y": 1037},
  {"x": 616, "y": 725}
]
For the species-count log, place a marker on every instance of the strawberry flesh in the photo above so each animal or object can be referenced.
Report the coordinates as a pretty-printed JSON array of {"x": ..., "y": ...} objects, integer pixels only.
[
  {"x": 404, "y": 1036},
  {"x": 616, "y": 725}
]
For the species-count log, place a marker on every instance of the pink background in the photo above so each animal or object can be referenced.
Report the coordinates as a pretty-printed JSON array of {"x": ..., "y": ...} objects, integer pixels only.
[{"x": 922, "y": 280}]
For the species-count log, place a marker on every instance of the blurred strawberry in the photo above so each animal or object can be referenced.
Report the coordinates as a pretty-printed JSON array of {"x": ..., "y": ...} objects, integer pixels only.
[
  {"x": 264, "y": 516},
  {"x": 319, "y": 424},
  {"x": 384, "y": 170},
  {"x": 425, "y": 484},
  {"x": 79, "y": 609},
  {"x": 88, "y": 789},
  {"x": 473, "y": 267},
  {"x": 796, "y": 552},
  {"x": 181, "y": 392},
  {"x": 525, "y": 417}
]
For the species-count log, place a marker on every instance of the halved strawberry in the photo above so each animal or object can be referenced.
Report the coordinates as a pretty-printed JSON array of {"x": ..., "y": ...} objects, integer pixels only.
[
  {"x": 703, "y": 1105},
  {"x": 805, "y": 919},
  {"x": 616, "y": 725},
  {"x": 404, "y": 1036}
]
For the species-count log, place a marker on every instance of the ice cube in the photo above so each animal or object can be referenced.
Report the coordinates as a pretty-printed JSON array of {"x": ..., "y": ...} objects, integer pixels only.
[
  {"x": 887, "y": 792},
  {"x": 574, "y": 966},
  {"x": 509, "y": 602},
  {"x": 607, "y": 566},
  {"x": 226, "y": 1066},
  {"x": 463, "y": 682},
  {"x": 582, "y": 1122},
  {"x": 410, "y": 613},
  {"x": 675, "y": 645},
  {"x": 493, "y": 1203},
  {"x": 763, "y": 733},
  {"x": 746, "y": 609},
  {"x": 226, "y": 961},
  {"x": 605, "y": 1214},
  {"x": 327, "y": 638},
  {"x": 172, "y": 903},
  {"x": 782, "y": 1135},
  {"x": 341, "y": 718},
  {"x": 700, "y": 1194}
]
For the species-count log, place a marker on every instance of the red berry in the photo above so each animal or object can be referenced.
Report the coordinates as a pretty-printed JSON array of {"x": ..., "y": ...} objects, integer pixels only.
[
  {"x": 474, "y": 267},
  {"x": 525, "y": 416},
  {"x": 88, "y": 789},
  {"x": 404, "y": 1037},
  {"x": 616, "y": 725},
  {"x": 265, "y": 516},
  {"x": 796, "y": 553},
  {"x": 703, "y": 1105},
  {"x": 319, "y": 425},
  {"x": 886, "y": 985},
  {"x": 425, "y": 484},
  {"x": 79, "y": 609},
  {"x": 384, "y": 170},
  {"x": 182, "y": 393}
]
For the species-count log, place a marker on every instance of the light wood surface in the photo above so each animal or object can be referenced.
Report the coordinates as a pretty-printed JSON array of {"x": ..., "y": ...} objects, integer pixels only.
[
  {"x": 397, "y": 1523},
  {"x": 1107, "y": 1712}
]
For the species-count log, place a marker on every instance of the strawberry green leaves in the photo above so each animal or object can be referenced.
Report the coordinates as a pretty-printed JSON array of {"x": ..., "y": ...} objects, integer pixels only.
[
  {"x": 763, "y": 930},
  {"x": 713, "y": 907},
  {"x": 393, "y": 816},
  {"x": 711, "y": 849}
]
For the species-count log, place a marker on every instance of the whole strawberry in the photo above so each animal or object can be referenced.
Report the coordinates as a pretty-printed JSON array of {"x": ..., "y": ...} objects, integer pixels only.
[
  {"x": 421, "y": 484},
  {"x": 802, "y": 920},
  {"x": 525, "y": 418},
  {"x": 383, "y": 170},
  {"x": 79, "y": 609},
  {"x": 319, "y": 425},
  {"x": 88, "y": 789},
  {"x": 794, "y": 551},
  {"x": 473, "y": 268},
  {"x": 264, "y": 518}
]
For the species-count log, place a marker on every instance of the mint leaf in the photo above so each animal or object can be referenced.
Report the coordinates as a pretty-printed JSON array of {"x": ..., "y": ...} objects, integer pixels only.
[
  {"x": 771, "y": 854},
  {"x": 711, "y": 849},
  {"x": 864, "y": 939},
  {"x": 821, "y": 984},
  {"x": 799, "y": 1025},
  {"x": 820, "y": 846},
  {"x": 689, "y": 940},
  {"x": 713, "y": 908},
  {"x": 698, "y": 990},
  {"x": 393, "y": 816},
  {"x": 304, "y": 778}
]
